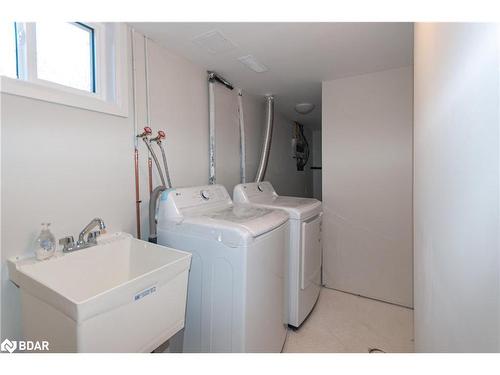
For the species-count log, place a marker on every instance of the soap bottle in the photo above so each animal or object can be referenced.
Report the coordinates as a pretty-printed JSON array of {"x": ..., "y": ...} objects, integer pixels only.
[{"x": 45, "y": 244}]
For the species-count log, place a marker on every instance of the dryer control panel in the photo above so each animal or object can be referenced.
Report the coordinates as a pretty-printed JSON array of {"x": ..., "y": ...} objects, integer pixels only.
[{"x": 243, "y": 193}]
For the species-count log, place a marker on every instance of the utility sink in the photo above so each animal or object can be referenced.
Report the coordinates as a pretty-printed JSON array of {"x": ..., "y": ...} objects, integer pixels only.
[{"x": 122, "y": 295}]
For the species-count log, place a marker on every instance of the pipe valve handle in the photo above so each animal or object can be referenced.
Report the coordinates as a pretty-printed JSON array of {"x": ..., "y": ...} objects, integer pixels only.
[
  {"x": 161, "y": 134},
  {"x": 146, "y": 133}
]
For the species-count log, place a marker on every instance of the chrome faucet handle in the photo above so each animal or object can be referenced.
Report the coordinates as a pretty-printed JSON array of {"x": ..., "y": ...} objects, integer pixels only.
[
  {"x": 92, "y": 237},
  {"x": 67, "y": 242}
]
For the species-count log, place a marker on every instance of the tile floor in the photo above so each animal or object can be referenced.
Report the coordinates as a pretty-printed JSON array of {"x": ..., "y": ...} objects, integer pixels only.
[{"x": 345, "y": 323}]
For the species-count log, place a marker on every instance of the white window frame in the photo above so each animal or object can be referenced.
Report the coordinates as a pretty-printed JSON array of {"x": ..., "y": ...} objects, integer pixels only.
[{"x": 111, "y": 78}]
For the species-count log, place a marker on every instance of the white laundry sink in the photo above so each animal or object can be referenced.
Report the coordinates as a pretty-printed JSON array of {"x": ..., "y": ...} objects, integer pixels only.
[{"x": 122, "y": 295}]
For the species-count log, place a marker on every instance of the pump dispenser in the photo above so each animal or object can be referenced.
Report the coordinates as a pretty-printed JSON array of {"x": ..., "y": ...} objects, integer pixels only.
[{"x": 45, "y": 244}]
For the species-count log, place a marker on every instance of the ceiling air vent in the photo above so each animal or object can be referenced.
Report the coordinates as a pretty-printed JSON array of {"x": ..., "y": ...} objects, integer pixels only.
[
  {"x": 252, "y": 63},
  {"x": 214, "y": 42}
]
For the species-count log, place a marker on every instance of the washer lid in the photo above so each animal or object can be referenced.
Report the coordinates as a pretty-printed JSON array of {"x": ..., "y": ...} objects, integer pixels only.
[
  {"x": 235, "y": 226},
  {"x": 208, "y": 212},
  {"x": 255, "y": 220},
  {"x": 263, "y": 195}
]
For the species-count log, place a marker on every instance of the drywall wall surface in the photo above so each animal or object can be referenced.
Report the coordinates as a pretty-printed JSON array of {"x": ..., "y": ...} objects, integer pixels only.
[
  {"x": 61, "y": 165},
  {"x": 367, "y": 185},
  {"x": 456, "y": 192},
  {"x": 178, "y": 103}
]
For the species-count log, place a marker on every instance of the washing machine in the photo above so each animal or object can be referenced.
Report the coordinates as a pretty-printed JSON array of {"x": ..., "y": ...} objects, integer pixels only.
[
  {"x": 236, "y": 289},
  {"x": 305, "y": 248}
]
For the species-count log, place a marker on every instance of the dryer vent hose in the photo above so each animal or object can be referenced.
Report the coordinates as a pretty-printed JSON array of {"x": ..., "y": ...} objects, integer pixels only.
[{"x": 266, "y": 146}]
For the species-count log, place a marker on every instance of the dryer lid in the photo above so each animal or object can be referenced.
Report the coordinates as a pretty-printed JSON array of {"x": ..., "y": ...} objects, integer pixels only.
[
  {"x": 255, "y": 220},
  {"x": 263, "y": 195}
]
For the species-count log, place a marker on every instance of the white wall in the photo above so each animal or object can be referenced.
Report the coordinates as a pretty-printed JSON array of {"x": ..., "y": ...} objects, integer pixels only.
[
  {"x": 367, "y": 185},
  {"x": 67, "y": 165},
  {"x": 456, "y": 193},
  {"x": 63, "y": 165},
  {"x": 179, "y": 106}
]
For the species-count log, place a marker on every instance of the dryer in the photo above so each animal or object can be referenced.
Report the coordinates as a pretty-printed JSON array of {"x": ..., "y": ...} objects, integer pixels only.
[
  {"x": 305, "y": 247},
  {"x": 236, "y": 288}
]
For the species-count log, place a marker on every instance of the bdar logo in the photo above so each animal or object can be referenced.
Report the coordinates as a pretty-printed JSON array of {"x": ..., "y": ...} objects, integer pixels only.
[{"x": 8, "y": 346}]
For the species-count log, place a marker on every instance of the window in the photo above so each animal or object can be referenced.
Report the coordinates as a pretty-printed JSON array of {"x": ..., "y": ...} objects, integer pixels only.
[
  {"x": 65, "y": 54},
  {"x": 8, "y": 54},
  {"x": 71, "y": 63}
]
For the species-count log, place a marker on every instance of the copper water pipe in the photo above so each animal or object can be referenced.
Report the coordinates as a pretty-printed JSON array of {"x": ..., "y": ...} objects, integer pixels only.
[
  {"x": 147, "y": 132},
  {"x": 145, "y": 137},
  {"x": 137, "y": 194}
]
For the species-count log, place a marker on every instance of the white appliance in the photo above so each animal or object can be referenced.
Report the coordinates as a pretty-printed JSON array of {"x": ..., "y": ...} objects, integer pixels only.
[
  {"x": 305, "y": 249},
  {"x": 236, "y": 289}
]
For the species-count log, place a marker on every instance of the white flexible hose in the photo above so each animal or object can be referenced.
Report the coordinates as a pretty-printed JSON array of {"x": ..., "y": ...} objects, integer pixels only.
[
  {"x": 165, "y": 165},
  {"x": 147, "y": 142},
  {"x": 266, "y": 146}
]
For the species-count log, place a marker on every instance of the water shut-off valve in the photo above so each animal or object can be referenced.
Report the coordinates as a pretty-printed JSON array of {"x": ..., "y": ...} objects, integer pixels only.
[
  {"x": 146, "y": 133},
  {"x": 161, "y": 135}
]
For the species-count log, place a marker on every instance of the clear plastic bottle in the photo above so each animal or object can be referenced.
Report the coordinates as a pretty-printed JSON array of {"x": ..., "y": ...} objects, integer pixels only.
[{"x": 45, "y": 244}]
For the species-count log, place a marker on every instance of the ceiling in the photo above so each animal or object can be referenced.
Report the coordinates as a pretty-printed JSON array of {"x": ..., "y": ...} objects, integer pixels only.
[{"x": 299, "y": 56}]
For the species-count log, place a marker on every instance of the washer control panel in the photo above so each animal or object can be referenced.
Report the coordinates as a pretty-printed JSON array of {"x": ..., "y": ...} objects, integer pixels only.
[
  {"x": 205, "y": 194},
  {"x": 199, "y": 196}
]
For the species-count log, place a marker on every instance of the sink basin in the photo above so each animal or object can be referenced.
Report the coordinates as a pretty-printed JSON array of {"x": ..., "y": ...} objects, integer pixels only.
[{"x": 122, "y": 295}]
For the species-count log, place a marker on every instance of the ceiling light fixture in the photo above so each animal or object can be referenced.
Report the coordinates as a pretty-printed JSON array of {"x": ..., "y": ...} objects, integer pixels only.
[{"x": 304, "y": 108}]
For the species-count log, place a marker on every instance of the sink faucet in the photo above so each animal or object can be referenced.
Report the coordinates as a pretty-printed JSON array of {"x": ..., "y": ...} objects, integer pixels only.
[
  {"x": 88, "y": 228},
  {"x": 69, "y": 244}
]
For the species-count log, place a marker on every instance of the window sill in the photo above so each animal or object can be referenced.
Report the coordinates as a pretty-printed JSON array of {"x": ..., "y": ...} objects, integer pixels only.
[{"x": 62, "y": 95}]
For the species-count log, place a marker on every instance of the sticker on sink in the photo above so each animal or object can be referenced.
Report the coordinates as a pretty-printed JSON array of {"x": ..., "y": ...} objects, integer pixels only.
[{"x": 145, "y": 292}]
